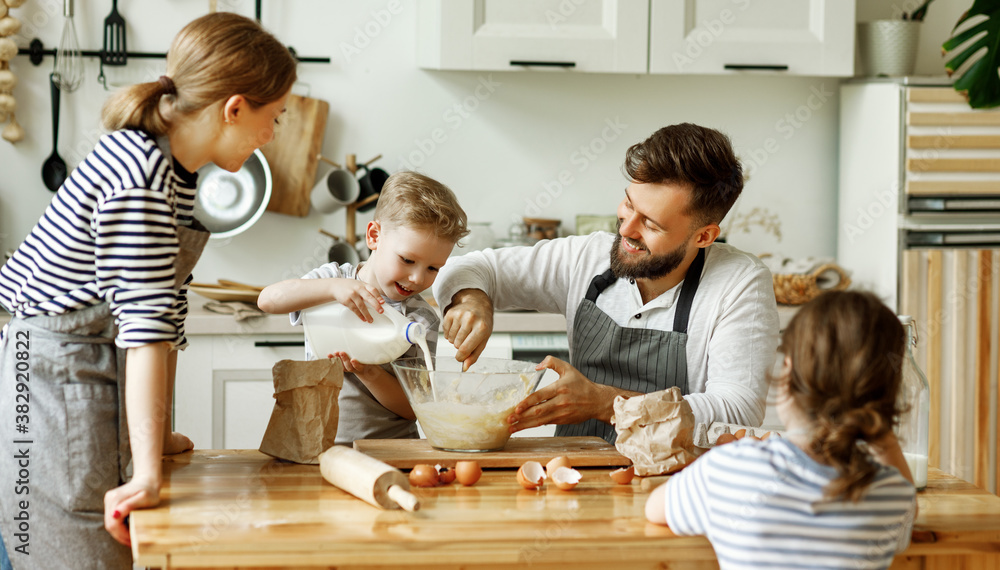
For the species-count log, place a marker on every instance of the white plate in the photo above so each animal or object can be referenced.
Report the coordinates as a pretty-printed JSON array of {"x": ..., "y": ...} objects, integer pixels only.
[{"x": 224, "y": 294}]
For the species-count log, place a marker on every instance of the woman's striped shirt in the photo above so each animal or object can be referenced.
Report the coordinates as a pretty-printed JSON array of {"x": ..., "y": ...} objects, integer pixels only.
[
  {"x": 761, "y": 505},
  {"x": 110, "y": 235}
]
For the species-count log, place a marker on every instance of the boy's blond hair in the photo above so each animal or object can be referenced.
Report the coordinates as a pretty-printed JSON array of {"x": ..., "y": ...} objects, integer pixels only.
[{"x": 413, "y": 200}]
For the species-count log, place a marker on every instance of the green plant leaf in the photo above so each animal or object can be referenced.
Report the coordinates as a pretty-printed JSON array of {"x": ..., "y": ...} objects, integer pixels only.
[{"x": 980, "y": 82}]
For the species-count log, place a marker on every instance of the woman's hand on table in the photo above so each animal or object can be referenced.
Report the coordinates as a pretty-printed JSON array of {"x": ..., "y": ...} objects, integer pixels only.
[
  {"x": 175, "y": 443},
  {"x": 120, "y": 501}
]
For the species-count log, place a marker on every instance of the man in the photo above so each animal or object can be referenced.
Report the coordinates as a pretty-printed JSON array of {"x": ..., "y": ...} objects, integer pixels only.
[{"x": 668, "y": 307}]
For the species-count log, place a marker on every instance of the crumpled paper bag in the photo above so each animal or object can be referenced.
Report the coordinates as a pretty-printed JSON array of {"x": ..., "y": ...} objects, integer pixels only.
[
  {"x": 655, "y": 431},
  {"x": 304, "y": 419}
]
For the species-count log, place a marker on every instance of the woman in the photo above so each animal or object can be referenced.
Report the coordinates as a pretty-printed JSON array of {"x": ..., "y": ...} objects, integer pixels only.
[{"x": 98, "y": 291}]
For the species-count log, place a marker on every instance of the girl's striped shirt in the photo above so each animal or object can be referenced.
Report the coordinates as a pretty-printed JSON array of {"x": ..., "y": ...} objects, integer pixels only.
[
  {"x": 761, "y": 505},
  {"x": 110, "y": 235}
]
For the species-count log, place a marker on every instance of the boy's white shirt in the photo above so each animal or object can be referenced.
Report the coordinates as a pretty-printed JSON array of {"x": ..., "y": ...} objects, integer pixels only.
[{"x": 361, "y": 416}]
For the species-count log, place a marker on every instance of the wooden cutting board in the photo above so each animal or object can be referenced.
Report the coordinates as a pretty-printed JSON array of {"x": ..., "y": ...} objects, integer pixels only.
[
  {"x": 292, "y": 154},
  {"x": 581, "y": 451}
]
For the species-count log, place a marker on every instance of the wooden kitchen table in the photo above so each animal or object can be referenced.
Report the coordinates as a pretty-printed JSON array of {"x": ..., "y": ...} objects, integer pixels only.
[{"x": 243, "y": 509}]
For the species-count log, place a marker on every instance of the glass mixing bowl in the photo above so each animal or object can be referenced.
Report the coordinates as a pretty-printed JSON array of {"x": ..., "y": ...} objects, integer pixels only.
[{"x": 466, "y": 411}]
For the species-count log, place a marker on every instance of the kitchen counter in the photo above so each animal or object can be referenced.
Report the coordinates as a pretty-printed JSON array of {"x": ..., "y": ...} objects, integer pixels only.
[{"x": 244, "y": 509}]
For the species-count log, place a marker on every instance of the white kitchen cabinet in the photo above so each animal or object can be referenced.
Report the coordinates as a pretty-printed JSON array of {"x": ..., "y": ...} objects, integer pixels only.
[
  {"x": 496, "y": 35},
  {"x": 796, "y": 37}
]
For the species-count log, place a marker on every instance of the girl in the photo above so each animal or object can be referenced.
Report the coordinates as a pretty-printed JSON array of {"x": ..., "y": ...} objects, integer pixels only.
[
  {"x": 98, "y": 291},
  {"x": 835, "y": 492}
]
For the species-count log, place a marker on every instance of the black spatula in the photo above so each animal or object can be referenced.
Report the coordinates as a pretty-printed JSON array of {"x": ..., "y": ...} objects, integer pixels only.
[{"x": 115, "y": 50}]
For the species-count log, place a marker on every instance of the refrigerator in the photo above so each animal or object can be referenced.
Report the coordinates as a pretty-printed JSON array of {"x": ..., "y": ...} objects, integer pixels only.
[{"x": 919, "y": 225}]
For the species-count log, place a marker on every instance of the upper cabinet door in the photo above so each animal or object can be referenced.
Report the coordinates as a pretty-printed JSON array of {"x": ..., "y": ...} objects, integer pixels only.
[
  {"x": 580, "y": 35},
  {"x": 797, "y": 37}
]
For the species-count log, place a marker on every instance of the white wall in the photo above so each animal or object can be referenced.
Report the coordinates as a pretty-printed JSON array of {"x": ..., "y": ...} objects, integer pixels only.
[{"x": 503, "y": 159}]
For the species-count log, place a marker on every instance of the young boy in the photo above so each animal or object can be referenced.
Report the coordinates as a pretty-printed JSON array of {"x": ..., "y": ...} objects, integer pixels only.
[{"x": 416, "y": 225}]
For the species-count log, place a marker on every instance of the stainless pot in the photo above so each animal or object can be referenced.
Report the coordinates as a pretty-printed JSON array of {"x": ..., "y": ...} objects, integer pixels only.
[{"x": 230, "y": 202}]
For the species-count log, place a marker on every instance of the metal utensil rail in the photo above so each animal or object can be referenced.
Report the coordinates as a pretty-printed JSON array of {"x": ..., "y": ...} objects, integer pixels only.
[{"x": 36, "y": 51}]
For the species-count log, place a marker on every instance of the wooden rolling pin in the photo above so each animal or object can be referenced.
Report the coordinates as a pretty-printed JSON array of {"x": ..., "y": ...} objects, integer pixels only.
[{"x": 367, "y": 478}]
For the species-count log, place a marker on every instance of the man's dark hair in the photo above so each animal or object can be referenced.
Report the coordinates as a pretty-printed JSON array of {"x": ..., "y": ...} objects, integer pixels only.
[{"x": 697, "y": 156}]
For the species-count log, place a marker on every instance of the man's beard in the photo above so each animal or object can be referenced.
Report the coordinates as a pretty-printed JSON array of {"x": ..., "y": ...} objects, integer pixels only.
[{"x": 648, "y": 267}]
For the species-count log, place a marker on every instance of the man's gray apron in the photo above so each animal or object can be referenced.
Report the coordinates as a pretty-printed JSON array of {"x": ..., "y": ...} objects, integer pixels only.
[
  {"x": 639, "y": 360},
  {"x": 76, "y": 445}
]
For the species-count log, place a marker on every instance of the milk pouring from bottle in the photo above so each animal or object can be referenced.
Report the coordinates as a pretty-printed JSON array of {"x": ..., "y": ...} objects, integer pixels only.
[
  {"x": 914, "y": 399},
  {"x": 332, "y": 327}
]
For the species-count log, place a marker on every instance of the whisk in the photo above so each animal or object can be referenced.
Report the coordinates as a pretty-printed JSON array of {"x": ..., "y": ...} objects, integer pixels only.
[{"x": 69, "y": 64}]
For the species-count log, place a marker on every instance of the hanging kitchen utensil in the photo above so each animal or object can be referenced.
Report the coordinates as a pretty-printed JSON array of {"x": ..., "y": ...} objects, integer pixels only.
[
  {"x": 69, "y": 65},
  {"x": 293, "y": 154},
  {"x": 115, "y": 49},
  {"x": 54, "y": 168}
]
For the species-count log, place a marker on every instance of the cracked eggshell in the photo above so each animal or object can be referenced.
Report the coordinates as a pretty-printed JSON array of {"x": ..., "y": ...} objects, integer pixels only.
[
  {"x": 7, "y": 80},
  {"x": 531, "y": 476},
  {"x": 624, "y": 475},
  {"x": 556, "y": 463},
  {"x": 8, "y": 49},
  {"x": 9, "y": 26},
  {"x": 445, "y": 475},
  {"x": 566, "y": 478}
]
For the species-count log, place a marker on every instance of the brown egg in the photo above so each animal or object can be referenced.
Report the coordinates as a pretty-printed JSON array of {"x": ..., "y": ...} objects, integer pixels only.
[
  {"x": 740, "y": 433},
  {"x": 565, "y": 478},
  {"x": 468, "y": 472},
  {"x": 556, "y": 463},
  {"x": 445, "y": 475},
  {"x": 531, "y": 476},
  {"x": 423, "y": 476},
  {"x": 624, "y": 475},
  {"x": 725, "y": 438}
]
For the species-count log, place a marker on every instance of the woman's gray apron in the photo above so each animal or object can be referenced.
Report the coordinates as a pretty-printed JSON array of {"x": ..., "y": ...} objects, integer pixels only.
[
  {"x": 75, "y": 447},
  {"x": 639, "y": 360}
]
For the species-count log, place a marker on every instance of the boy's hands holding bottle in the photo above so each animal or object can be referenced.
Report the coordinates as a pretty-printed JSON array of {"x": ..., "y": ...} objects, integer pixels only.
[
  {"x": 353, "y": 366},
  {"x": 297, "y": 294},
  {"x": 357, "y": 296}
]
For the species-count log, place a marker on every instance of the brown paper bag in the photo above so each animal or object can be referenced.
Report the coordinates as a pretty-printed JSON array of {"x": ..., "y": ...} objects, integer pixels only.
[
  {"x": 655, "y": 431},
  {"x": 304, "y": 420}
]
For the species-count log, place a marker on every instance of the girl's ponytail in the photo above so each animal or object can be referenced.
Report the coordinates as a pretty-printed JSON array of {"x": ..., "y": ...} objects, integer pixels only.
[{"x": 837, "y": 443}]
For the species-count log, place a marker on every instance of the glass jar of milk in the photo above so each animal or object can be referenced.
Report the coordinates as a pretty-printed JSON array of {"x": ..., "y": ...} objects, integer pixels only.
[{"x": 914, "y": 397}]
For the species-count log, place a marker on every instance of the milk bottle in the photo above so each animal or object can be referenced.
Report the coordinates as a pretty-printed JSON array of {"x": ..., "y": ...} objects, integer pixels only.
[
  {"x": 332, "y": 327},
  {"x": 914, "y": 397}
]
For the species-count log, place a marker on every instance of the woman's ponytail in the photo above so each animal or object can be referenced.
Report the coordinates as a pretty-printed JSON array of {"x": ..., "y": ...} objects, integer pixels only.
[
  {"x": 137, "y": 107},
  {"x": 212, "y": 58}
]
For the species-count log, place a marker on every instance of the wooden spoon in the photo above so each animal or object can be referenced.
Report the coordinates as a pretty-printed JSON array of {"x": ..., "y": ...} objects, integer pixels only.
[{"x": 238, "y": 285}]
